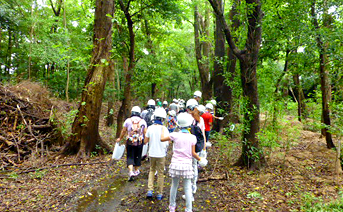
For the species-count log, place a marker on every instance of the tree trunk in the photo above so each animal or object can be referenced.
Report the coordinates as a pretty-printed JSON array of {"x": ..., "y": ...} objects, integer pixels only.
[
  {"x": 252, "y": 154},
  {"x": 151, "y": 52},
  {"x": 202, "y": 52},
  {"x": 124, "y": 110},
  {"x": 85, "y": 129},
  {"x": 218, "y": 68},
  {"x": 324, "y": 75},
  {"x": 68, "y": 79},
  {"x": 112, "y": 84},
  {"x": 277, "y": 88}
]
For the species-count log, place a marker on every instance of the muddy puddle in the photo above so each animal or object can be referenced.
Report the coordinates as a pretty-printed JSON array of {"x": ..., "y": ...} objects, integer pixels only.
[{"x": 105, "y": 197}]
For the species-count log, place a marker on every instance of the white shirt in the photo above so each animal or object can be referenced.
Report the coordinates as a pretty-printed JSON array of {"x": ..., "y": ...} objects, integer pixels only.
[{"x": 157, "y": 148}]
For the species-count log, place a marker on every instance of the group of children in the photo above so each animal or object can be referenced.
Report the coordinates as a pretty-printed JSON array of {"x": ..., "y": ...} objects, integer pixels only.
[{"x": 188, "y": 127}]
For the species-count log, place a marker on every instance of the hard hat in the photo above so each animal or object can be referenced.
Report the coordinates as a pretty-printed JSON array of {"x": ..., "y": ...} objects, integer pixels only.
[
  {"x": 151, "y": 102},
  {"x": 172, "y": 113},
  {"x": 197, "y": 94},
  {"x": 165, "y": 102},
  {"x": 201, "y": 109},
  {"x": 209, "y": 106},
  {"x": 191, "y": 103},
  {"x": 160, "y": 112},
  {"x": 184, "y": 119},
  {"x": 213, "y": 102},
  {"x": 136, "y": 109}
]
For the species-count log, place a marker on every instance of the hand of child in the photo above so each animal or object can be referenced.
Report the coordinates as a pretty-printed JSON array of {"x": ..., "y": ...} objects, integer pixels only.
[
  {"x": 203, "y": 154},
  {"x": 203, "y": 162}
]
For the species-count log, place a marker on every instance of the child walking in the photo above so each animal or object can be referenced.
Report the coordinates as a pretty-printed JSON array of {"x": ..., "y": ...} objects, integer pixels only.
[
  {"x": 157, "y": 153},
  {"x": 181, "y": 162}
]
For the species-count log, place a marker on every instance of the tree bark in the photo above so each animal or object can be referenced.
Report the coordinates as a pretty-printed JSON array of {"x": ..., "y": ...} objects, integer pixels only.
[
  {"x": 252, "y": 155},
  {"x": 124, "y": 110},
  {"x": 202, "y": 52},
  {"x": 112, "y": 84},
  {"x": 218, "y": 69},
  {"x": 85, "y": 129},
  {"x": 324, "y": 76}
]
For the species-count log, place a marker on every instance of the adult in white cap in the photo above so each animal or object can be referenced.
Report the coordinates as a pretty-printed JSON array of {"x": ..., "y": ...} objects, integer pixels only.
[{"x": 197, "y": 96}]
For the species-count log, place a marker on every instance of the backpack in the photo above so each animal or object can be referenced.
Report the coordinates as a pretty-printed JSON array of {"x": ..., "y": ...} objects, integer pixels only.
[
  {"x": 148, "y": 116},
  {"x": 195, "y": 130},
  {"x": 135, "y": 136}
]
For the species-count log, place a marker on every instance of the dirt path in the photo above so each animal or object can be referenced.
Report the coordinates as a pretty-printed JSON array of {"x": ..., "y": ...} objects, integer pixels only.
[{"x": 303, "y": 174}]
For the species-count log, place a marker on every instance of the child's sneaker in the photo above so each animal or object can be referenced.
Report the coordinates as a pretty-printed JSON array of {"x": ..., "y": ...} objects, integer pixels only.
[
  {"x": 172, "y": 208},
  {"x": 149, "y": 194},
  {"x": 136, "y": 173},
  {"x": 159, "y": 196},
  {"x": 131, "y": 176}
]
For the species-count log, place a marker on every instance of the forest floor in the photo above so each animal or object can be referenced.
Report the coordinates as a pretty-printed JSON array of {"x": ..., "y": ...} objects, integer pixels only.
[
  {"x": 306, "y": 172},
  {"x": 299, "y": 173}
]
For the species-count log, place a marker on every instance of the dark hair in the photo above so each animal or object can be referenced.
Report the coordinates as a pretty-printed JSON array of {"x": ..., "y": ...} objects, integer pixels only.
[
  {"x": 135, "y": 114},
  {"x": 159, "y": 118},
  {"x": 151, "y": 106}
]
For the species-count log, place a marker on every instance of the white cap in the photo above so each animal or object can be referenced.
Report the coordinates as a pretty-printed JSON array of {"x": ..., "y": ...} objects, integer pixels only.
[
  {"x": 184, "y": 119},
  {"x": 151, "y": 102},
  {"x": 172, "y": 113},
  {"x": 201, "y": 109},
  {"x": 136, "y": 109},
  {"x": 197, "y": 94},
  {"x": 160, "y": 112},
  {"x": 192, "y": 102},
  {"x": 165, "y": 102},
  {"x": 175, "y": 100},
  {"x": 213, "y": 102},
  {"x": 209, "y": 106}
]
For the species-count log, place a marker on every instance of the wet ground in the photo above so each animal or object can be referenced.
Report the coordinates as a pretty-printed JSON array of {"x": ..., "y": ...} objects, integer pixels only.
[{"x": 294, "y": 177}]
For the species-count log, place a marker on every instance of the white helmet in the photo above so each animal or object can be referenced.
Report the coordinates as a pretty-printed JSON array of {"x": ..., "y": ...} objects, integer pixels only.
[
  {"x": 151, "y": 102},
  {"x": 209, "y": 106},
  {"x": 201, "y": 109},
  {"x": 197, "y": 94},
  {"x": 160, "y": 112},
  {"x": 214, "y": 102},
  {"x": 165, "y": 102},
  {"x": 172, "y": 113},
  {"x": 191, "y": 103},
  {"x": 136, "y": 109},
  {"x": 184, "y": 119}
]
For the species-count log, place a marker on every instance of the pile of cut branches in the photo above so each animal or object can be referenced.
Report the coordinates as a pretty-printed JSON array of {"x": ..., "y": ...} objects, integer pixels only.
[{"x": 25, "y": 128}]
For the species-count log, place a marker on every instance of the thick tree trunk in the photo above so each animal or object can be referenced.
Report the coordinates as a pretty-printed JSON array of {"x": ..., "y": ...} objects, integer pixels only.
[
  {"x": 252, "y": 154},
  {"x": 85, "y": 129},
  {"x": 218, "y": 71},
  {"x": 202, "y": 52},
  {"x": 326, "y": 98},
  {"x": 124, "y": 110}
]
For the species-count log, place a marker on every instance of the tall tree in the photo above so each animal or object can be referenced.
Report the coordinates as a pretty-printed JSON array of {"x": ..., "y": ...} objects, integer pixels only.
[
  {"x": 203, "y": 50},
  {"x": 252, "y": 154},
  {"x": 85, "y": 129},
  {"x": 323, "y": 72},
  {"x": 126, "y": 102}
]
